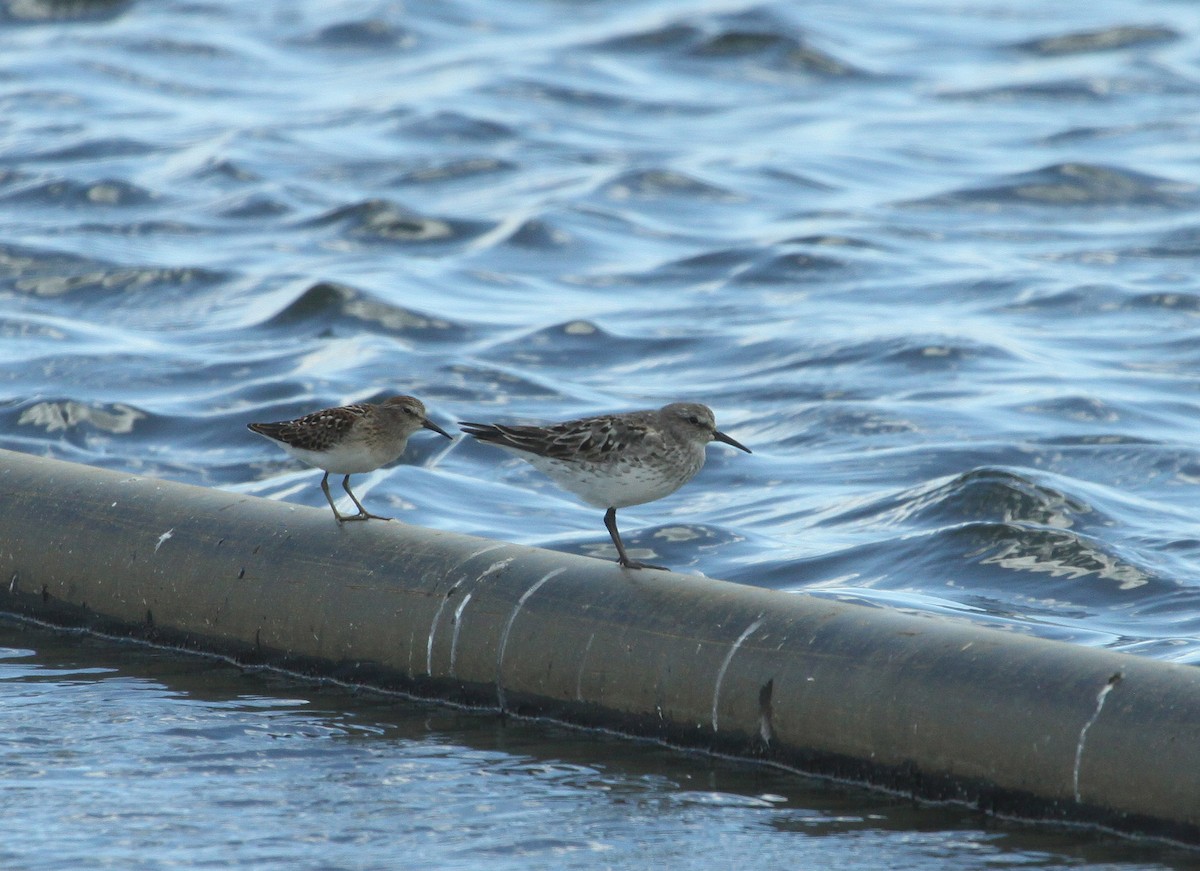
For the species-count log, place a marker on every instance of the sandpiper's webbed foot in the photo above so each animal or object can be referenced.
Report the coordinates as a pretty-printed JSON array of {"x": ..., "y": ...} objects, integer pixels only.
[
  {"x": 634, "y": 564},
  {"x": 623, "y": 560},
  {"x": 362, "y": 515}
]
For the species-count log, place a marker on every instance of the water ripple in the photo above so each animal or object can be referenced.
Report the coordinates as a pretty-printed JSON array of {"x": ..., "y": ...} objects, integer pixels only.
[
  {"x": 920, "y": 263},
  {"x": 1075, "y": 185},
  {"x": 1104, "y": 39}
]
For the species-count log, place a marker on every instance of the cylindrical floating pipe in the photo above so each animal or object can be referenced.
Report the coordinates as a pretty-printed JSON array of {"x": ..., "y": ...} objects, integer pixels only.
[{"x": 936, "y": 708}]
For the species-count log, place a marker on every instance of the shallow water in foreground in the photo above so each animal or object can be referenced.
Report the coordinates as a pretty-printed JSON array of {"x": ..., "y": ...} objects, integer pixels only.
[{"x": 935, "y": 263}]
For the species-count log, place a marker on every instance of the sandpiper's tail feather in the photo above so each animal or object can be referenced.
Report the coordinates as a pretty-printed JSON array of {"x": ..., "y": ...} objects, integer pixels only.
[
  {"x": 531, "y": 439},
  {"x": 270, "y": 430},
  {"x": 485, "y": 432}
]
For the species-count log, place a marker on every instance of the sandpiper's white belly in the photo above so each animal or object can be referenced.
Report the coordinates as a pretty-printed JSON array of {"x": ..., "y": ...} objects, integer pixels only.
[
  {"x": 620, "y": 483},
  {"x": 349, "y": 457}
]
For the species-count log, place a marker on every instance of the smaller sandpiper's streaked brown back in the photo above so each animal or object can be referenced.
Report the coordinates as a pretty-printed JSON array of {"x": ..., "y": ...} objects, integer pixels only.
[
  {"x": 349, "y": 439},
  {"x": 615, "y": 460}
]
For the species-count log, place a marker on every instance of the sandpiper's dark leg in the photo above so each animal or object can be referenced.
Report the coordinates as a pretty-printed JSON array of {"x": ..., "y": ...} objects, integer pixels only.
[
  {"x": 610, "y": 520},
  {"x": 363, "y": 513},
  {"x": 325, "y": 490}
]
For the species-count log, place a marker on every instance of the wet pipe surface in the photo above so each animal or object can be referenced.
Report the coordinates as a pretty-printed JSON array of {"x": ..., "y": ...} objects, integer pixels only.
[{"x": 759, "y": 746}]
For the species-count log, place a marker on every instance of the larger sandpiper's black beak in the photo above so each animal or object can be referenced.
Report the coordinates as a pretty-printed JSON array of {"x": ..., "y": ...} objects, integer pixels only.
[
  {"x": 721, "y": 437},
  {"x": 429, "y": 424}
]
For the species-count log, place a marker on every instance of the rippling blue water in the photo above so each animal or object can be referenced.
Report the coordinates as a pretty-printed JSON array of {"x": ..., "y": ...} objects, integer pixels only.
[{"x": 933, "y": 262}]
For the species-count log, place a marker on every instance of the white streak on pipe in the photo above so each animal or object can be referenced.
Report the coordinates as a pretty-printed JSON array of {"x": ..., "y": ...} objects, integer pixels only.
[
  {"x": 165, "y": 537},
  {"x": 512, "y": 618},
  {"x": 494, "y": 567},
  {"x": 433, "y": 630},
  {"x": 1100, "y": 697},
  {"x": 482, "y": 551},
  {"x": 457, "y": 626},
  {"x": 725, "y": 666}
]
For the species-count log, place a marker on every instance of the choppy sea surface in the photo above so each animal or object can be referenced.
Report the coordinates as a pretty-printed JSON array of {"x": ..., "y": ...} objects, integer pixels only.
[{"x": 934, "y": 262}]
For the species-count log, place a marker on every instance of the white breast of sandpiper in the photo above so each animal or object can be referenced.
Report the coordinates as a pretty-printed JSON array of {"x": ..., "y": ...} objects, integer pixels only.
[
  {"x": 624, "y": 481},
  {"x": 351, "y": 455}
]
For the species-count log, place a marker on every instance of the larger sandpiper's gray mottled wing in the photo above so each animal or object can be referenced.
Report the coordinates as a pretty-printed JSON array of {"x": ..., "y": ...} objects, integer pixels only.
[{"x": 590, "y": 439}]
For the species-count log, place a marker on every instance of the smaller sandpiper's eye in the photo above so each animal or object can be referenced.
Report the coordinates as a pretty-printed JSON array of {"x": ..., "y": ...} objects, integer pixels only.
[{"x": 694, "y": 419}]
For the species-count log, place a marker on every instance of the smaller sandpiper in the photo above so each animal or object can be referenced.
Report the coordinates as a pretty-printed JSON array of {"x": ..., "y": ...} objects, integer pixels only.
[
  {"x": 615, "y": 460},
  {"x": 350, "y": 439}
]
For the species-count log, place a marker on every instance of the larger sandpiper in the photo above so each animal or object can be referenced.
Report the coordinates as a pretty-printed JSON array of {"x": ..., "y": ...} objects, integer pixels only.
[
  {"x": 350, "y": 439},
  {"x": 612, "y": 461}
]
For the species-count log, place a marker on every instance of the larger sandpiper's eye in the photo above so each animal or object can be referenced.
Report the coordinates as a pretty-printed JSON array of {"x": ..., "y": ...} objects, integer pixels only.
[{"x": 694, "y": 419}]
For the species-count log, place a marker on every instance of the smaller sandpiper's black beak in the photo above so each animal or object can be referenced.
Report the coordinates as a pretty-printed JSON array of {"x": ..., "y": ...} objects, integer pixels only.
[
  {"x": 721, "y": 437},
  {"x": 429, "y": 424}
]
